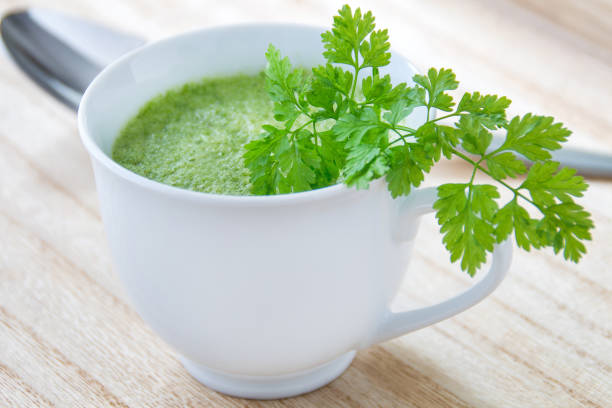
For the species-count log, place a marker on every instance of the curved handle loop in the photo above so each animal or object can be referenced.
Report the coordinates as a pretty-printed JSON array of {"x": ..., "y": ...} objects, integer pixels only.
[{"x": 420, "y": 202}]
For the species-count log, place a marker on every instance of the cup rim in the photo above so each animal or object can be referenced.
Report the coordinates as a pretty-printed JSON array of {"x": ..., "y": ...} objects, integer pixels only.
[{"x": 180, "y": 193}]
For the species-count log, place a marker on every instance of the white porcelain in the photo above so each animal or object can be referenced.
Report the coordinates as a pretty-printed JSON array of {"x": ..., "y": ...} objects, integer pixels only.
[{"x": 263, "y": 297}]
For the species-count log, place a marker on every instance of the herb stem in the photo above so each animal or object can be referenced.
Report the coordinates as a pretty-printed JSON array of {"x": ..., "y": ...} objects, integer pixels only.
[
  {"x": 401, "y": 137},
  {"x": 354, "y": 86},
  {"x": 477, "y": 166},
  {"x": 450, "y": 115},
  {"x": 316, "y": 137},
  {"x": 303, "y": 126},
  {"x": 357, "y": 69},
  {"x": 494, "y": 152},
  {"x": 405, "y": 129}
]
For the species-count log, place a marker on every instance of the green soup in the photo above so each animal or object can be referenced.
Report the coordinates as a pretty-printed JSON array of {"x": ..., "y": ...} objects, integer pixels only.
[{"x": 193, "y": 137}]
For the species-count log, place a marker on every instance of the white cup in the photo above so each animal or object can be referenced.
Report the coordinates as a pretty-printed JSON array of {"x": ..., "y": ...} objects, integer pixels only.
[{"x": 263, "y": 297}]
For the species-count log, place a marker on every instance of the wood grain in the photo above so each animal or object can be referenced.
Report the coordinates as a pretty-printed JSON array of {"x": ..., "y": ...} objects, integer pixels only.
[{"x": 69, "y": 338}]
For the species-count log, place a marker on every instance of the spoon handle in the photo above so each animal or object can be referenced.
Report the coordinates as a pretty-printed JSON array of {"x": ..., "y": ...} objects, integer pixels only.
[
  {"x": 587, "y": 163},
  {"x": 62, "y": 54}
]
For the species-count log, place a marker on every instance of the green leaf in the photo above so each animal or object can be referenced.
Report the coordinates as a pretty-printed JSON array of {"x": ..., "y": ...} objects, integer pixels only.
[
  {"x": 451, "y": 200},
  {"x": 282, "y": 80},
  {"x": 344, "y": 135},
  {"x": 437, "y": 140},
  {"x": 286, "y": 87},
  {"x": 483, "y": 200},
  {"x": 348, "y": 31},
  {"x": 546, "y": 183},
  {"x": 282, "y": 162},
  {"x": 278, "y": 68},
  {"x": 490, "y": 109},
  {"x": 286, "y": 111},
  {"x": 339, "y": 51},
  {"x": 333, "y": 157},
  {"x": 475, "y": 138},
  {"x": 351, "y": 129},
  {"x": 466, "y": 220},
  {"x": 375, "y": 53},
  {"x": 416, "y": 96},
  {"x": 380, "y": 91},
  {"x": 566, "y": 225},
  {"x": 259, "y": 159},
  {"x": 534, "y": 136},
  {"x": 513, "y": 217},
  {"x": 364, "y": 163},
  {"x": 398, "y": 112},
  {"x": 407, "y": 168},
  {"x": 307, "y": 150},
  {"x": 505, "y": 164},
  {"x": 329, "y": 76},
  {"x": 300, "y": 176},
  {"x": 401, "y": 102},
  {"x": 436, "y": 82},
  {"x": 329, "y": 90}
]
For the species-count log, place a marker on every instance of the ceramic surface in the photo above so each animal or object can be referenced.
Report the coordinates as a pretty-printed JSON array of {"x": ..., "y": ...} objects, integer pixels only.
[{"x": 253, "y": 291}]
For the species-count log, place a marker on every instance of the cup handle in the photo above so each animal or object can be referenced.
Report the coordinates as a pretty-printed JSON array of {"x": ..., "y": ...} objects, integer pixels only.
[{"x": 417, "y": 203}]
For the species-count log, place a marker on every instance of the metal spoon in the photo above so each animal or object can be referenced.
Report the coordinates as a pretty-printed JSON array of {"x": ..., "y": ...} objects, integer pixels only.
[{"x": 63, "y": 54}]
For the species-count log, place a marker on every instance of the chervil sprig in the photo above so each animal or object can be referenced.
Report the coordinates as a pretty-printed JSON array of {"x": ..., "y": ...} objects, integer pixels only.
[{"x": 344, "y": 122}]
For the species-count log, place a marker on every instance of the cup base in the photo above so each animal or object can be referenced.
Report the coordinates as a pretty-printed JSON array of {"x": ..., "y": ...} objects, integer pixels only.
[{"x": 269, "y": 387}]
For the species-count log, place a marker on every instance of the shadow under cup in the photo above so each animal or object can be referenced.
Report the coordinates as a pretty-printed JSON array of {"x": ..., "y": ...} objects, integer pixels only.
[{"x": 263, "y": 297}]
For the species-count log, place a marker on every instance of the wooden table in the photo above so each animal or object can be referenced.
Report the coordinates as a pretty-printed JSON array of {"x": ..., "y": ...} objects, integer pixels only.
[{"x": 544, "y": 339}]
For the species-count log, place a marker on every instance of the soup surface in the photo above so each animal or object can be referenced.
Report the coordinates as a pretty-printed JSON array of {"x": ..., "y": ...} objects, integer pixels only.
[{"x": 193, "y": 136}]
